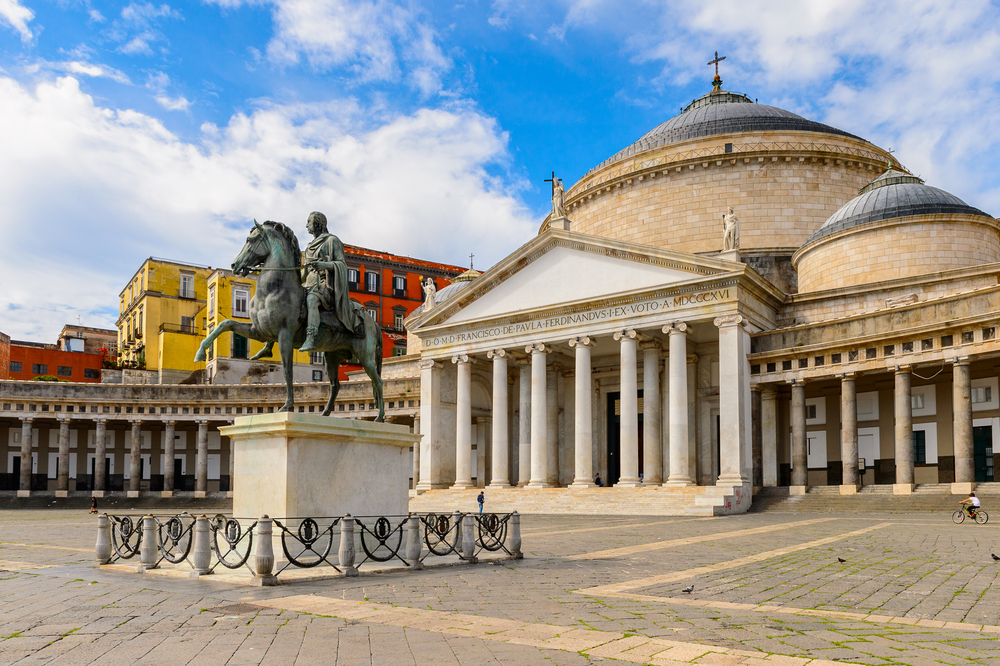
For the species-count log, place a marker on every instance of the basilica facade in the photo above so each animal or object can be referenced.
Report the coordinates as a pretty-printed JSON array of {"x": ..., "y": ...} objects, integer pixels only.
[{"x": 741, "y": 298}]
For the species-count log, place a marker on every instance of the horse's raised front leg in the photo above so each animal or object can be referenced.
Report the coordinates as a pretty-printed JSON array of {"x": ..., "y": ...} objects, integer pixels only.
[
  {"x": 333, "y": 370},
  {"x": 287, "y": 350},
  {"x": 239, "y": 327},
  {"x": 266, "y": 352}
]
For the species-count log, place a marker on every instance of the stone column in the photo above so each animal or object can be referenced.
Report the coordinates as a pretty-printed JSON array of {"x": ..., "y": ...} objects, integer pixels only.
[
  {"x": 769, "y": 437},
  {"x": 24, "y": 486},
  {"x": 552, "y": 426},
  {"x": 651, "y": 463},
  {"x": 201, "y": 465},
  {"x": 539, "y": 418},
  {"x": 965, "y": 466},
  {"x": 524, "y": 423},
  {"x": 232, "y": 465},
  {"x": 100, "y": 458},
  {"x": 416, "y": 452},
  {"x": 849, "y": 435},
  {"x": 583, "y": 424},
  {"x": 463, "y": 422},
  {"x": 501, "y": 442},
  {"x": 62, "y": 475},
  {"x": 134, "y": 460},
  {"x": 433, "y": 440},
  {"x": 800, "y": 459},
  {"x": 756, "y": 437},
  {"x": 733, "y": 407},
  {"x": 483, "y": 472},
  {"x": 904, "y": 433},
  {"x": 677, "y": 369},
  {"x": 168, "y": 459},
  {"x": 629, "y": 438}
]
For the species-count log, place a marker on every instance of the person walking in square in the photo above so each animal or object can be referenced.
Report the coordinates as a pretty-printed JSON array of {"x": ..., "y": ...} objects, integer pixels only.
[
  {"x": 481, "y": 499},
  {"x": 93, "y": 504}
]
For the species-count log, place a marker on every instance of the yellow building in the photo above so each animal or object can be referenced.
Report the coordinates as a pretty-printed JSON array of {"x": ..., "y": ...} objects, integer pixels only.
[{"x": 168, "y": 307}]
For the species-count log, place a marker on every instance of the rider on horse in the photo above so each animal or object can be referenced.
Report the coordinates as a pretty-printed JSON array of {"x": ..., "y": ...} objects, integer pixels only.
[{"x": 324, "y": 277}]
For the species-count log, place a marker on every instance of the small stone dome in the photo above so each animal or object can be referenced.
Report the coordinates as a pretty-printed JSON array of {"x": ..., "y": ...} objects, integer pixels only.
[
  {"x": 721, "y": 112},
  {"x": 893, "y": 194}
]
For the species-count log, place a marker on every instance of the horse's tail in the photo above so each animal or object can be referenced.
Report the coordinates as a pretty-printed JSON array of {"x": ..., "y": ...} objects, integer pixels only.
[{"x": 378, "y": 349}]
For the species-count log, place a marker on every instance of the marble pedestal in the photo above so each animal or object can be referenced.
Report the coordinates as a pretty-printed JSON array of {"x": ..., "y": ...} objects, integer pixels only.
[{"x": 306, "y": 465}]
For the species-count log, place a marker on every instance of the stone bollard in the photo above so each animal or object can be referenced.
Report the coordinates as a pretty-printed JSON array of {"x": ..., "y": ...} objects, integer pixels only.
[
  {"x": 148, "y": 549},
  {"x": 515, "y": 536},
  {"x": 201, "y": 555},
  {"x": 264, "y": 558},
  {"x": 413, "y": 544},
  {"x": 346, "y": 552},
  {"x": 456, "y": 520},
  {"x": 103, "y": 547},
  {"x": 469, "y": 539}
]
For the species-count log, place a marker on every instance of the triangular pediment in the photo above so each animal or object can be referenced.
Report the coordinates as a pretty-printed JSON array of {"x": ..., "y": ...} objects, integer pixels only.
[{"x": 560, "y": 267}]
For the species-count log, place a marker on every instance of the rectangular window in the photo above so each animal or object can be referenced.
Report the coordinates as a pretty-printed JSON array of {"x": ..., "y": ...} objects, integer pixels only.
[
  {"x": 968, "y": 338},
  {"x": 239, "y": 346},
  {"x": 989, "y": 333},
  {"x": 803, "y": 363},
  {"x": 39, "y": 369},
  {"x": 65, "y": 371},
  {"x": 810, "y": 411},
  {"x": 187, "y": 325},
  {"x": 919, "y": 447},
  {"x": 373, "y": 313},
  {"x": 927, "y": 344},
  {"x": 888, "y": 350},
  {"x": 211, "y": 300},
  {"x": 371, "y": 282},
  {"x": 947, "y": 341},
  {"x": 91, "y": 373},
  {"x": 316, "y": 358},
  {"x": 917, "y": 401},
  {"x": 870, "y": 353},
  {"x": 399, "y": 350},
  {"x": 317, "y": 375},
  {"x": 15, "y": 366},
  {"x": 211, "y": 348},
  {"x": 786, "y": 365},
  {"x": 397, "y": 320},
  {"x": 241, "y": 303},
  {"x": 353, "y": 277},
  {"x": 399, "y": 286},
  {"x": 187, "y": 286},
  {"x": 982, "y": 394},
  {"x": 771, "y": 367},
  {"x": 907, "y": 347}
]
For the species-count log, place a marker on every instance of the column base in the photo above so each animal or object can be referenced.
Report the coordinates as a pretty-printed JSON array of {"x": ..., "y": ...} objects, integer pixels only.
[
  {"x": 200, "y": 494},
  {"x": 628, "y": 483},
  {"x": 62, "y": 493},
  {"x": 499, "y": 486},
  {"x": 963, "y": 487},
  {"x": 166, "y": 493},
  {"x": 538, "y": 484},
  {"x": 132, "y": 493},
  {"x": 678, "y": 481},
  {"x": 903, "y": 488},
  {"x": 229, "y": 494},
  {"x": 735, "y": 481},
  {"x": 97, "y": 493},
  {"x": 798, "y": 490},
  {"x": 652, "y": 484},
  {"x": 269, "y": 580},
  {"x": 849, "y": 489},
  {"x": 582, "y": 484},
  {"x": 462, "y": 485},
  {"x": 24, "y": 493}
]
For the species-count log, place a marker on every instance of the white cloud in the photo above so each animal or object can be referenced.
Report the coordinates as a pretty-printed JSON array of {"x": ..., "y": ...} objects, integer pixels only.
[
  {"x": 173, "y": 103},
  {"x": 16, "y": 16},
  {"x": 143, "y": 19},
  {"x": 139, "y": 45},
  {"x": 89, "y": 192},
  {"x": 79, "y": 67}
]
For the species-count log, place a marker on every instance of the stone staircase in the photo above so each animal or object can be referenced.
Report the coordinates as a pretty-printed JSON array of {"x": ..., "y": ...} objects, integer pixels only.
[
  {"x": 930, "y": 497},
  {"x": 651, "y": 501}
]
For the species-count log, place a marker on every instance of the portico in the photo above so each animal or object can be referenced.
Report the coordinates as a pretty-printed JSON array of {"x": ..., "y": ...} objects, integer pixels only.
[{"x": 631, "y": 365}]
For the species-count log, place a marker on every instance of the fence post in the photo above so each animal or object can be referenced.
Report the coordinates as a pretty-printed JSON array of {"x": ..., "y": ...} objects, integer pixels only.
[
  {"x": 469, "y": 539},
  {"x": 103, "y": 547},
  {"x": 456, "y": 519},
  {"x": 346, "y": 552},
  {"x": 515, "y": 536},
  {"x": 413, "y": 542},
  {"x": 264, "y": 558},
  {"x": 201, "y": 558},
  {"x": 150, "y": 543}
]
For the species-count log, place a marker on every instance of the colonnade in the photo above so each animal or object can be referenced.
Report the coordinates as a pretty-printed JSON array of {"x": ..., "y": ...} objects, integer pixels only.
[
  {"x": 100, "y": 457},
  {"x": 538, "y": 426}
]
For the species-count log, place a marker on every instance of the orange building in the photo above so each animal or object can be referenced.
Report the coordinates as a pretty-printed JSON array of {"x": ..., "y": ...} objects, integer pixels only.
[
  {"x": 28, "y": 360},
  {"x": 4, "y": 356},
  {"x": 389, "y": 287}
]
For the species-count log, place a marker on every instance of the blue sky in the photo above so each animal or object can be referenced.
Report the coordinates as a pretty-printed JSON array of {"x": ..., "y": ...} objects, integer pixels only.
[{"x": 135, "y": 129}]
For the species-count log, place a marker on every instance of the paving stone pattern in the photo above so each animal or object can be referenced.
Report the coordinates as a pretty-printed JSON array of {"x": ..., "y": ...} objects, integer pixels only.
[{"x": 761, "y": 597}]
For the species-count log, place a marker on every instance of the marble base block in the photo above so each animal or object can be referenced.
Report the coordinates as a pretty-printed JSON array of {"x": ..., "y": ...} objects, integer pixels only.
[
  {"x": 848, "y": 489},
  {"x": 166, "y": 493},
  {"x": 131, "y": 493},
  {"x": 798, "y": 490},
  {"x": 62, "y": 493},
  {"x": 97, "y": 493},
  {"x": 24, "y": 493},
  {"x": 902, "y": 488},
  {"x": 200, "y": 494},
  {"x": 306, "y": 465},
  {"x": 963, "y": 487}
]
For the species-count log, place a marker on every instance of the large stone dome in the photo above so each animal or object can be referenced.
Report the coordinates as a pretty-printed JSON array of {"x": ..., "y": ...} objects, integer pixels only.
[{"x": 896, "y": 227}]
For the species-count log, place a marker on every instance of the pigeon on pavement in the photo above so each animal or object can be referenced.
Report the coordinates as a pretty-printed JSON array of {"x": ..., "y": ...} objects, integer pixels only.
[
  {"x": 995, "y": 558},
  {"x": 841, "y": 560},
  {"x": 689, "y": 589}
]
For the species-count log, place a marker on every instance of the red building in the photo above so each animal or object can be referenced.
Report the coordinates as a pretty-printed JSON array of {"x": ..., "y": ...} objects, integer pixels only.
[
  {"x": 33, "y": 359},
  {"x": 4, "y": 356},
  {"x": 389, "y": 286}
]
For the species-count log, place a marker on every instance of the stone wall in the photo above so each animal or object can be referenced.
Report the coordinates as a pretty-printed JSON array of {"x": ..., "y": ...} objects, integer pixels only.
[
  {"x": 897, "y": 248},
  {"x": 782, "y": 187}
]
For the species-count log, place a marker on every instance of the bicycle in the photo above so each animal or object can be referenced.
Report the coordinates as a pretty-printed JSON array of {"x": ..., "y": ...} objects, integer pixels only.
[{"x": 980, "y": 516}]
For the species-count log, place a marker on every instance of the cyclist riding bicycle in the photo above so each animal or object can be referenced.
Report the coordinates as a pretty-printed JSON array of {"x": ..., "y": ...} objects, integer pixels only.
[{"x": 972, "y": 503}]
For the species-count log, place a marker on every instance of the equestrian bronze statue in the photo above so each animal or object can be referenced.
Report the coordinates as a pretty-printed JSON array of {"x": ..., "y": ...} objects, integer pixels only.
[{"x": 304, "y": 307}]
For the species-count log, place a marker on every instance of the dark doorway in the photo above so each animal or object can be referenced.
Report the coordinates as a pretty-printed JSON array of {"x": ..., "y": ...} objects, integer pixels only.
[
  {"x": 718, "y": 448},
  {"x": 178, "y": 469},
  {"x": 982, "y": 443},
  {"x": 615, "y": 438}
]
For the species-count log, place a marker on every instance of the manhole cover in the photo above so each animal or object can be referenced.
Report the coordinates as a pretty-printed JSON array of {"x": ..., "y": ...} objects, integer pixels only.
[{"x": 236, "y": 609}]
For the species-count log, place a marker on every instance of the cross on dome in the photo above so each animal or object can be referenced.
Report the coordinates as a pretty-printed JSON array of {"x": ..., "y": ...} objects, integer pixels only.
[{"x": 717, "y": 81}]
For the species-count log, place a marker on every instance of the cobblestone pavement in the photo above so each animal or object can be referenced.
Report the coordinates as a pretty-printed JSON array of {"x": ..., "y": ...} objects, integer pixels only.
[{"x": 768, "y": 589}]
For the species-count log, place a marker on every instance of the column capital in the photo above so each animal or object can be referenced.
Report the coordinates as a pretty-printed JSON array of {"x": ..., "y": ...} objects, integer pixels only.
[
  {"x": 170, "y": 422},
  {"x": 626, "y": 334},
  {"x": 729, "y": 320},
  {"x": 961, "y": 360},
  {"x": 462, "y": 358},
  {"x": 101, "y": 421},
  {"x": 675, "y": 327},
  {"x": 768, "y": 393},
  {"x": 428, "y": 363},
  {"x": 902, "y": 368},
  {"x": 650, "y": 344},
  {"x": 63, "y": 419},
  {"x": 535, "y": 348},
  {"x": 582, "y": 341},
  {"x": 848, "y": 375},
  {"x": 499, "y": 352},
  {"x": 201, "y": 422},
  {"x": 521, "y": 362},
  {"x": 27, "y": 419}
]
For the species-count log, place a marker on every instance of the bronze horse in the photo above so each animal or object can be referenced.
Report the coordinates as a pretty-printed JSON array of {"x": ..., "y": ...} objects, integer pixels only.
[{"x": 277, "y": 315}]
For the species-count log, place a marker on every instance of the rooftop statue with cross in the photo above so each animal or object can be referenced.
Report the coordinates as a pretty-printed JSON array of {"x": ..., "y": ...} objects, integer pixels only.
[
  {"x": 717, "y": 81},
  {"x": 558, "y": 196}
]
